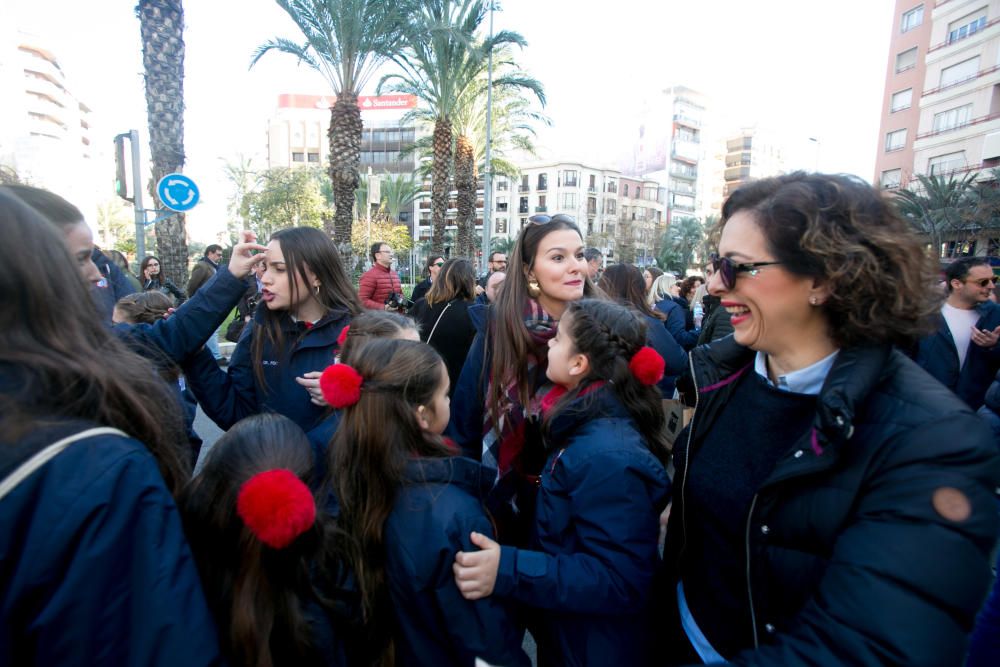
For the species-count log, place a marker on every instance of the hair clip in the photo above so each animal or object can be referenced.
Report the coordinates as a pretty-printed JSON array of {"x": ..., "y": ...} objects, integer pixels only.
[
  {"x": 647, "y": 365},
  {"x": 341, "y": 385},
  {"x": 343, "y": 336},
  {"x": 276, "y": 506}
]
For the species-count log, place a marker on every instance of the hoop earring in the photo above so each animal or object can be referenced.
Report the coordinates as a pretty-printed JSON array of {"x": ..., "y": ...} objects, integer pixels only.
[
  {"x": 316, "y": 290},
  {"x": 534, "y": 291}
]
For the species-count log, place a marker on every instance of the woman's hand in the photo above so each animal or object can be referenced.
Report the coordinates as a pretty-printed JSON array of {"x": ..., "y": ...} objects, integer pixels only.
[
  {"x": 243, "y": 261},
  {"x": 310, "y": 381},
  {"x": 476, "y": 573}
]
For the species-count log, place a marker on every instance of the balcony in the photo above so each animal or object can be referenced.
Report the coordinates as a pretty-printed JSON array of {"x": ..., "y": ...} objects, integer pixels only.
[
  {"x": 523, "y": 210},
  {"x": 974, "y": 121},
  {"x": 977, "y": 75},
  {"x": 981, "y": 26},
  {"x": 569, "y": 183},
  {"x": 541, "y": 209},
  {"x": 592, "y": 190},
  {"x": 522, "y": 188},
  {"x": 682, "y": 119}
]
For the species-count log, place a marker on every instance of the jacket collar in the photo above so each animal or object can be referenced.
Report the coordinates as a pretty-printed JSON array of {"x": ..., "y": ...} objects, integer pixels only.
[
  {"x": 470, "y": 476},
  {"x": 596, "y": 403}
]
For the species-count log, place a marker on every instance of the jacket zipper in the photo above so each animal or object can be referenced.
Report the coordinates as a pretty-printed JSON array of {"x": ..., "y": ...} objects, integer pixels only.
[
  {"x": 753, "y": 615},
  {"x": 687, "y": 457}
]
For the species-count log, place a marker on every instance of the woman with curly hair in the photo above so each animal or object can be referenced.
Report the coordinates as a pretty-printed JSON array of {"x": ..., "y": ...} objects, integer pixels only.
[{"x": 824, "y": 510}]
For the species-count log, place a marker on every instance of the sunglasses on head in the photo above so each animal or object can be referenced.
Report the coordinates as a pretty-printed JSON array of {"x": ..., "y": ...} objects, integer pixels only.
[
  {"x": 545, "y": 219},
  {"x": 728, "y": 269}
]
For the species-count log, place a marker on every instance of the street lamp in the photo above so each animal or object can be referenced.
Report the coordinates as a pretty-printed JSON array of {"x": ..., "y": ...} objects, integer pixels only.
[{"x": 816, "y": 163}]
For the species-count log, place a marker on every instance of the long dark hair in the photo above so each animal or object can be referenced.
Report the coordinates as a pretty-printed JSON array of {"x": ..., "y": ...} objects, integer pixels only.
[
  {"x": 624, "y": 283},
  {"x": 304, "y": 247},
  {"x": 609, "y": 335},
  {"x": 149, "y": 308},
  {"x": 368, "y": 455},
  {"x": 456, "y": 280},
  {"x": 508, "y": 336},
  {"x": 64, "y": 362},
  {"x": 258, "y": 593}
]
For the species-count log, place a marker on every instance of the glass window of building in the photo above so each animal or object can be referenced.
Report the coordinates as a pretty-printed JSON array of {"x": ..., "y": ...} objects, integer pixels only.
[
  {"x": 912, "y": 19},
  {"x": 891, "y": 178},
  {"x": 902, "y": 100},
  {"x": 952, "y": 118},
  {"x": 895, "y": 140},
  {"x": 905, "y": 60},
  {"x": 963, "y": 71}
]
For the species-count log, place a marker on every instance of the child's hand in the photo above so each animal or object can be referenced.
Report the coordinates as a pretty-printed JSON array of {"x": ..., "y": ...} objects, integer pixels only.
[
  {"x": 310, "y": 381},
  {"x": 476, "y": 573}
]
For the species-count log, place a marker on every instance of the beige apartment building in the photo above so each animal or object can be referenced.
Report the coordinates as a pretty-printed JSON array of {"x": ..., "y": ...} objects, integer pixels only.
[{"x": 941, "y": 109}]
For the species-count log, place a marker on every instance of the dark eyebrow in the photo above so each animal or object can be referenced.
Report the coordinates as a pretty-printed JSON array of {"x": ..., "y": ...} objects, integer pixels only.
[{"x": 277, "y": 261}]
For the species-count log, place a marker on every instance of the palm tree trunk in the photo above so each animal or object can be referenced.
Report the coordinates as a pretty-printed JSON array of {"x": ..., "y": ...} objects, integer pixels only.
[
  {"x": 439, "y": 182},
  {"x": 161, "y": 25},
  {"x": 345, "y": 158},
  {"x": 465, "y": 183}
]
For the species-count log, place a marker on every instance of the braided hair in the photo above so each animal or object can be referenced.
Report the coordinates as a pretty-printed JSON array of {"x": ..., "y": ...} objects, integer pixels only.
[{"x": 609, "y": 335}]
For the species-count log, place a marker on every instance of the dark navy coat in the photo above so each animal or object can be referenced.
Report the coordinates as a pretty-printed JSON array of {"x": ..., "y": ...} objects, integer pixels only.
[
  {"x": 676, "y": 323},
  {"x": 229, "y": 397},
  {"x": 674, "y": 356},
  {"x": 938, "y": 355},
  {"x": 435, "y": 511},
  {"x": 94, "y": 566},
  {"x": 597, "y": 525},
  {"x": 468, "y": 404}
]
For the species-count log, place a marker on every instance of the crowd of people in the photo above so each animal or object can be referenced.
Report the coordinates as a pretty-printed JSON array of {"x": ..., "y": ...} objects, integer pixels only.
[{"x": 423, "y": 479}]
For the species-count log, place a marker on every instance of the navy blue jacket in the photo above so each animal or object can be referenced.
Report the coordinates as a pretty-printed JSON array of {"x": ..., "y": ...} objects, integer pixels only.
[
  {"x": 117, "y": 285},
  {"x": 436, "y": 509},
  {"x": 229, "y": 397},
  {"x": 676, "y": 323},
  {"x": 984, "y": 644},
  {"x": 938, "y": 355},
  {"x": 94, "y": 566},
  {"x": 658, "y": 338},
  {"x": 596, "y": 525},
  {"x": 468, "y": 404}
]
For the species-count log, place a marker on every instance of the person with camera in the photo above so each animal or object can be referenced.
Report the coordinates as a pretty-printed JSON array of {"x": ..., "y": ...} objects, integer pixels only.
[{"x": 380, "y": 282}]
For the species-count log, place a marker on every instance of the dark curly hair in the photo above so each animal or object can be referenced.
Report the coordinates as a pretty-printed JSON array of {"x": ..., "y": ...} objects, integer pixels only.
[{"x": 844, "y": 233}]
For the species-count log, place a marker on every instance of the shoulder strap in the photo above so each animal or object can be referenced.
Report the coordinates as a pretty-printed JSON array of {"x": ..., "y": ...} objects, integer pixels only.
[
  {"x": 447, "y": 306},
  {"x": 44, "y": 456}
]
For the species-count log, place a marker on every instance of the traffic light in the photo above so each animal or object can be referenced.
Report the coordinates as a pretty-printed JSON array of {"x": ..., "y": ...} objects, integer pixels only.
[{"x": 121, "y": 171}]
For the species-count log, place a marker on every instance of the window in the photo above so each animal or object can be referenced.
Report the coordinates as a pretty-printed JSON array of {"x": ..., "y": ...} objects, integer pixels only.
[
  {"x": 543, "y": 182},
  {"x": 502, "y": 185},
  {"x": 906, "y": 59},
  {"x": 524, "y": 184},
  {"x": 624, "y": 189},
  {"x": 522, "y": 206},
  {"x": 591, "y": 205},
  {"x": 501, "y": 226},
  {"x": 567, "y": 178},
  {"x": 944, "y": 164},
  {"x": 298, "y": 157},
  {"x": 609, "y": 206},
  {"x": 895, "y": 141},
  {"x": 314, "y": 157},
  {"x": 902, "y": 100},
  {"x": 891, "y": 178},
  {"x": 568, "y": 201},
  {"x": 592, "y": 187},
  {"x": 611, "y": 186},
  {"x": 962, "y": 71},
  {"x": 966, "y": 26},
  {"x": 542, "y": 204},
  {"x": 912, "y": 19},
  {"x": 952, "y": 118},
  {"x": 502, "y": 204}
]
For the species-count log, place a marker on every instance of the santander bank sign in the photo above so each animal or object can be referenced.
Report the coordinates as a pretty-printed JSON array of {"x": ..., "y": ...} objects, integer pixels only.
[{"x": 365, "y": 102}]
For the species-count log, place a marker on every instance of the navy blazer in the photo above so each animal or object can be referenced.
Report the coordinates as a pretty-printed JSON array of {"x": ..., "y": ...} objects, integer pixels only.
[
  {"x": 94, "y": 565},
  {"x": 938, "y": 355},
  {"x": 435, "y": 511},
  {"x": 227, "y": 397},
  {"x": 595, "y": 545}
]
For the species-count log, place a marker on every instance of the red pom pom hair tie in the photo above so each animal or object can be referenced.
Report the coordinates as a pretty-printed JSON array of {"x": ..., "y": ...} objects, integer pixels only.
[
  {"x": 647, "y": 365},
  {"x": 343, "y": 336},
  {"x": 276, "y": 506},
  {"x": 341, "y": 385}
]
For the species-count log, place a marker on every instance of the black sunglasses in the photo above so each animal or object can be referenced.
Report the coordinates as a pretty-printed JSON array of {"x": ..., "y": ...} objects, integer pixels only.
[
  {"x": 546, "y": 219},
  {"x": 728, "y": 269},
  {"x": 983, "y": 282}
]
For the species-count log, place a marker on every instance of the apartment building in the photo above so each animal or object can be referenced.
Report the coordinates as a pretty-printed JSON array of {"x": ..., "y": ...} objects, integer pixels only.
[
  {"x": 751, "y": 153},
  {"x": 45, "y": 133},
  {"x": 941, "y": 110},
  {"x": 297, "y": 133}
]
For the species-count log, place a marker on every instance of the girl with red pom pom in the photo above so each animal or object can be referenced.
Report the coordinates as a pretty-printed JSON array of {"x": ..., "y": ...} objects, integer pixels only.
[
  {"x": 586, "y": 579},
  {"x": 408, "y": 505},
  {"x": 267, "y": 555}
]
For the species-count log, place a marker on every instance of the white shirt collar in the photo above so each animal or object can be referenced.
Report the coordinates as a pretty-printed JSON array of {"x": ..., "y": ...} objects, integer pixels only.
[{"x": 808, "y": 380}]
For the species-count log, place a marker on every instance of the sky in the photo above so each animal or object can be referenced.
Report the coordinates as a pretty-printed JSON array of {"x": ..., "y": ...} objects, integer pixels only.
[{"x": 814, "y": 70}]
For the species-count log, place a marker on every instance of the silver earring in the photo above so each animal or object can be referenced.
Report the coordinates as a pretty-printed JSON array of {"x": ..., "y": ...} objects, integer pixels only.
[{"x": 813, "y": 300}]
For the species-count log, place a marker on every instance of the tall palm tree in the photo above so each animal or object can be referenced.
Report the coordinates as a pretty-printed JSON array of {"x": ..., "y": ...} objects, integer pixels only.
[
  {"x": 938, "y": 205},
  {"x": 441, "y": 60},
  {"x": 512, "y": 127},
  {"x": 161, "y": 26},
  {"x": 346, "y": 42},
  {"x": 398, "y": 192}
]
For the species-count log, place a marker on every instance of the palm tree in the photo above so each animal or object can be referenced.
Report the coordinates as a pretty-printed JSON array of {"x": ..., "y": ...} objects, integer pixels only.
[
  {"x": 938, "y": 206},
  {"x": 346, "y": 42},
  {"x": 398, "y": 192},
  {"x": 161, "y": 26},
  {"x": 512, "y": 128},
  {"x": 441, "y": 60}
]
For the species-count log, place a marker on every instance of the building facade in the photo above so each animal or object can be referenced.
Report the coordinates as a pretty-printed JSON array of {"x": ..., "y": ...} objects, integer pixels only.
[
  {"x": 752, "y": 153},
  {"x": 941, "y": 108}
]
